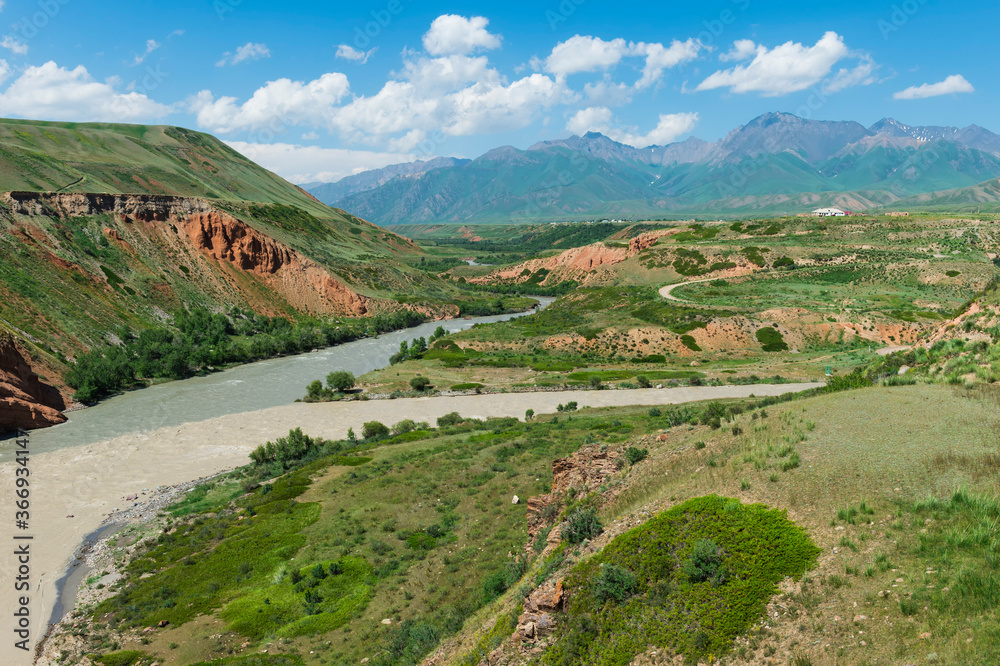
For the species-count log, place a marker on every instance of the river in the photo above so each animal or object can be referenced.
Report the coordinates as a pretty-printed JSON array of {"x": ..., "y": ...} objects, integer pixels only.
[{"x": 244, "y": 388}]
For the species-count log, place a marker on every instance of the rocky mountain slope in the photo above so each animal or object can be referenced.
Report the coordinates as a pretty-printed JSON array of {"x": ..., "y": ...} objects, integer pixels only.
[
  {"x": 153, "y": 220},
  {"x": 776, "y": 164}
]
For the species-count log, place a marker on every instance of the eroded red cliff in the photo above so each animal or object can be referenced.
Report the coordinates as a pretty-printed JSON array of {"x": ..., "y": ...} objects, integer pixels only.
[{"x": 25, "y": 402}]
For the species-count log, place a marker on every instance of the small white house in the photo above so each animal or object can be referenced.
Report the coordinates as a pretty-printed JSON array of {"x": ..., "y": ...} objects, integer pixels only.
[{"x": 829, "y": 212}]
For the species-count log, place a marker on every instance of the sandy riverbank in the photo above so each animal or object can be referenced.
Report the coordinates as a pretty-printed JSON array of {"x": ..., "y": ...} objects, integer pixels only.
[{"x": 92, "y": 481}]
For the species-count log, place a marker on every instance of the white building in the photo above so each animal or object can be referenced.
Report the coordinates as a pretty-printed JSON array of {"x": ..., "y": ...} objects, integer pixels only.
[{"x": 829, "y": 212}]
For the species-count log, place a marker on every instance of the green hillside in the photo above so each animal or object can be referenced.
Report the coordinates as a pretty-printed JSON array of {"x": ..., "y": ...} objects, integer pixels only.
[
  {"x": 190, "y": 224},
  {"x": 39, "y": 156}
]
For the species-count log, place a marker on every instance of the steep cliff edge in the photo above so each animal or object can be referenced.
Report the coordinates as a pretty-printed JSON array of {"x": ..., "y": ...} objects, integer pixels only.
[
  {"x": 219, "y": 237},
  {"x": 25, "y": 402}
]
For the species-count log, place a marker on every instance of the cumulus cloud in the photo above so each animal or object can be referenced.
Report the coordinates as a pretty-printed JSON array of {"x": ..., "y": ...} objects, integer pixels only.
[
  {"x": 742, "y": 50},
  {"x": 599, "y": 119},
  {"x": 864, "y": 74},
  {"x": 56, "y": 93},
  {"x": 659, "y": 58},
  {"x": 951, "y": 85},
  {"x": 451, "y": 34},
  {"x": 151, "y": 45},
  {"x": 13, "y": 45},
  {"x": 784, "y": 69},
  {"x": 247, "y": 52},
  {"x": 310, "y": 164},
  {"x": 585, "y": 54},
  {"x": 348, "y": 52},
  {"x": 274, "y": 106},
  {"x": 582, "y": 53},
  {"x": 453, "y": 95},
  {"x": 592, "y": 119}
]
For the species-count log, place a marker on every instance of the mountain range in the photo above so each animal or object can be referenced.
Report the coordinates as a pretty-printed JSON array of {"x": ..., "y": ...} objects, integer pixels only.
[{"x": 776, "y": 164}]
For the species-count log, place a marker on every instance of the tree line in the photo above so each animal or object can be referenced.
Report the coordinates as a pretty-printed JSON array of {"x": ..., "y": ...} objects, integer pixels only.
[{"x": 201, "y": 341}]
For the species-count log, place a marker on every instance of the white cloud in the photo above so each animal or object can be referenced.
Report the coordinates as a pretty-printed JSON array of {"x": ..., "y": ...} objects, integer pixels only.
[
  {"x": 56, "y": 93},
  {"x": 307, "y": 164},
  {"x": 151, "y": 45},
  {"x": 590, "y": 54},
  {"x": 348, "y": 52},
  {"x": 592, "y": 119},
  {"x": 248, "y": 51},
  {"x": 742, "y": 49},
  {"x": 585, "y": 54},
  {"x": 12, "y": 44},
  {"x": 4, "y": 70},
  {"x": 310, "y": 136},
  {"x": 274, "y": 106},
  {"x": 784, "y": 69},
  {"x": 659, "y": 58},
  {"x": 451, "y": 34},
  {"x": 449, "y": 96},
  {"x": 598, "y": 119},
  {"x": 951, "y": 85},
  {"x": 861, "y": 75}
]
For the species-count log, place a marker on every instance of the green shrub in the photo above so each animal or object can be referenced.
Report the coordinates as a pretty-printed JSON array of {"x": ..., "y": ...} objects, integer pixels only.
[
  {"x": 643, "y": 381},
  {"x": 689, "y": 342},
  {"x": 771, "y": 340},
  {"x": 404, "y": 426},
  {"x": 634, "y": 454},
  {"x": 450, "y": 419},
  {"x": 315, "y": 390},
  {"x": 340, "y": 381},
  {"x": 704, "y": 561},
  {"x": 123, "y": 658},
  {"x": 614, "y": 583},
  {"x": 581, "y": 524},
  {"x": 751, "y": 549},
  {"x": 419, "y": 383},
  {"x": 374, "y": 430}
]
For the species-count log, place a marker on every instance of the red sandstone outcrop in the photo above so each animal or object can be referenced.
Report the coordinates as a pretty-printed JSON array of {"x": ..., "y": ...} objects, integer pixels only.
[
  {"x": 579, "y": 260},
  {"x": 25, "y": 402},
  {"x": 305, "y": 284}
]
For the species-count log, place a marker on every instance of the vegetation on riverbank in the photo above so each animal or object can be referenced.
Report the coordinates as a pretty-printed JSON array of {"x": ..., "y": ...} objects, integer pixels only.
[{"x": 418, "y": 527}]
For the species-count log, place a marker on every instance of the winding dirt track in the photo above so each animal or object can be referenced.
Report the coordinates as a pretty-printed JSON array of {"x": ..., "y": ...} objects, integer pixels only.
[
  {"x": 667, "y": 291},
  {"x": 74, "y": 489}
]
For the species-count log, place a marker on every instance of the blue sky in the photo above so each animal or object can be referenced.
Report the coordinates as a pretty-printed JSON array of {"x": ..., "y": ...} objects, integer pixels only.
[{"x": 316, "y": 90}]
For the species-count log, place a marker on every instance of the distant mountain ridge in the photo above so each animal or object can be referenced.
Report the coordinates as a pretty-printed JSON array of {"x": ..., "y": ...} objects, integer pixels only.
[
  {"x": 368, "y": 180},
  {"x": 777, "y": 163}
]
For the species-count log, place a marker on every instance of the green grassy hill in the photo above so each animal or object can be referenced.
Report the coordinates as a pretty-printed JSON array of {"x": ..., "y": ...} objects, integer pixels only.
[
  {"x": 42, "y": 156},
  {"x": 191, "y": 223}
]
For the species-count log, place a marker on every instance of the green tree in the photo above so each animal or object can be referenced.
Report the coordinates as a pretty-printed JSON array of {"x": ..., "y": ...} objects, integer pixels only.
[
  {"x": 315, "y": 390},
  {"x": 374, "y": 430},
  {"x": 340, "y": 381}
]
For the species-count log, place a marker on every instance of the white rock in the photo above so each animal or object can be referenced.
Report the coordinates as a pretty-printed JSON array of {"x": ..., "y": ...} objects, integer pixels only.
[{"x": 515, "y": 500}]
